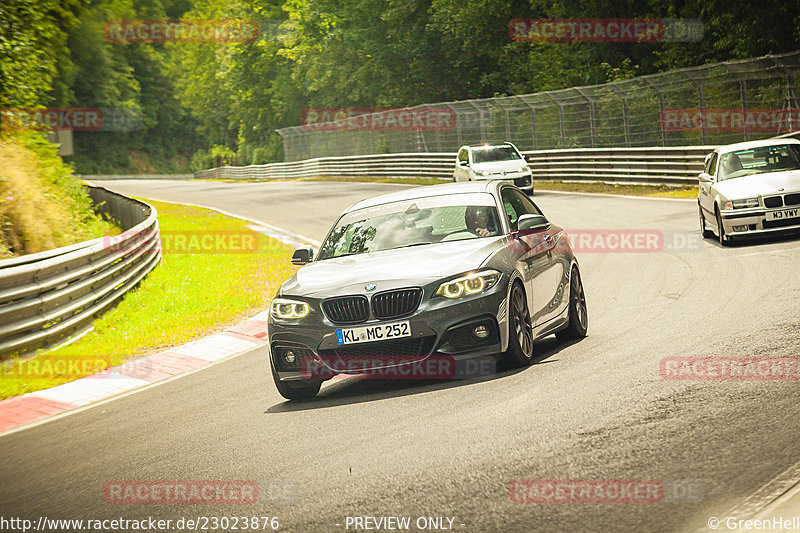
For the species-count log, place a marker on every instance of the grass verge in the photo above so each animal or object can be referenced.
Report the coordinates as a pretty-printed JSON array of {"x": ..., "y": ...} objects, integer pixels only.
[
  {"x": 650, "y": 191},
  {"x": 42, "y": 204},
  {"x": 187, "y": 296}
]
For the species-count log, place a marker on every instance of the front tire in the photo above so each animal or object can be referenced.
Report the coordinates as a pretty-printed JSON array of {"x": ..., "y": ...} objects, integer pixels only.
[
  {"x": 707, "y": 233},
  {"x": 520, "y": 329},
  {"x": 724, "y": 240},
  {"x": 578, "y": 316}
]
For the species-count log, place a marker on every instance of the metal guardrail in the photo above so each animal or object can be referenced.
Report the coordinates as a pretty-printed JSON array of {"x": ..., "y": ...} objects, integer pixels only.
[
  {"x": 654, "y": 166},
  {"x": 673, "y": 166},
  {"x": 650, "y": 166},
  {"x": 435, "y": 165},
  {"x": 52, "y": 296}
]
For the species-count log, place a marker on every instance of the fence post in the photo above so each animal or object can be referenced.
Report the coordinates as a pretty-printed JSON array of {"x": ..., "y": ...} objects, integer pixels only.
[
  {"x": 660, "y": 109},
  {"x": 743, "y": 95},
  {"x": 626, "y": 125},
  {"x": 592, "y": 121},
  {"x": 702, "y": 113},
  {"x": 560, "y": 119}
]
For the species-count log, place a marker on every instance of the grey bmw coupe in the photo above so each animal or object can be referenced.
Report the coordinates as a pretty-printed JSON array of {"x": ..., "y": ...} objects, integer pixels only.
[{"x": 410, "y": 282}]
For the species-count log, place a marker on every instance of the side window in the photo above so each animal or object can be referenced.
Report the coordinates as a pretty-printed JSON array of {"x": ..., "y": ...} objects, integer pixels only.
[
  {"x": 462, "y": 155},
  {"x": 712, "y": 165},
  {"x": 516, "y": 204},
  {"x": 511, "y": 213}
]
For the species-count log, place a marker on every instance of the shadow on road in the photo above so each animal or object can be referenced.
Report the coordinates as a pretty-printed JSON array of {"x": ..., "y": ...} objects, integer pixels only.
[
  {"x": 358, "y": 389},
  {"x": 746, "y": 242}
]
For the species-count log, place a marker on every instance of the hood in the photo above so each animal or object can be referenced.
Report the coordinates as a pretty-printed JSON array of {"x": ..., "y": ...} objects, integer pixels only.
[
  {"x": 499, "y": 166},
  {"x": 760, "y": 185},
  {"x": 388, "y": 269}
]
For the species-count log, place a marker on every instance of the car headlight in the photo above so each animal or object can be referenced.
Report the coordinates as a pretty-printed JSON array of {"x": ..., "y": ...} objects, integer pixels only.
[
  {"x": 289, "y": 309},
  {"x": 484, "y": 173},
  {"x": 740, "y": 204},
  {"x": 524, "y": 168},
  {"x": 468, "y": 285}
]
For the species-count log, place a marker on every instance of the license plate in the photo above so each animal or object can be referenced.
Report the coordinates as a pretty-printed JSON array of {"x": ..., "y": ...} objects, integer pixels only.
[
  {"x": 783, "y": 214},
  {"x": 379, "y": 332}
]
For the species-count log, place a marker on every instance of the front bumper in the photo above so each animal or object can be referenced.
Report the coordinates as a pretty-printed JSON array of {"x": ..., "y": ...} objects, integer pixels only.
[
  {"x": 753, "y": 222},
  {"x": 440, "y": 330},
  {"x": 523, "y": 180}
]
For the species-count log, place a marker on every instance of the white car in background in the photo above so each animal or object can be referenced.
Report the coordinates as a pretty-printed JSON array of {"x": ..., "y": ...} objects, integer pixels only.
[
  {"x": 750, "y": 189},
  {"x": 493, "y": 162}
]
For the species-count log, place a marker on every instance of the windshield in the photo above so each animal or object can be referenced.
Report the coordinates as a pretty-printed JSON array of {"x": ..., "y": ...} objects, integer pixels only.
[
  {"x": 759, "y": 161},
  {"x": 413, "y": 223},
  {"x": 493, "y": 154}
]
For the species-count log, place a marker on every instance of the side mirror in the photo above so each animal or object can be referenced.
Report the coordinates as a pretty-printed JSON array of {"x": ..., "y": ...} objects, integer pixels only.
[
  {"x": 302, "y": 255},
  {"x": 532, "y": 222},
  {"x": 463, "y": 163},
  {"x": 705, "y": 178}
]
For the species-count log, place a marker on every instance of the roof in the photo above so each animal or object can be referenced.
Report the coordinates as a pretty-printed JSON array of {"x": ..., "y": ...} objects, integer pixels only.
[
  {"x": 755, "y": 144},
  {"x": 424, "y": 191},
  {"x": 488, "y": 145}
]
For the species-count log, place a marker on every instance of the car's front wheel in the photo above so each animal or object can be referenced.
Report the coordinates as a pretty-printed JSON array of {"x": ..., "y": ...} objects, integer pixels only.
[
  {"x": 520, "y": 329},
  {"x": 707, "y": 233},
  {"x": 724, "y": 240},
  {"x": 297, "y": 390},
  {"x": 578, "y": 316}
]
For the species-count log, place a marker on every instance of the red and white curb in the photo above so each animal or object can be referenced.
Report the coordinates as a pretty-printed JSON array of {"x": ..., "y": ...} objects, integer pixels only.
[
  {"x": 36, "y": 406},
  {"x": 138, "y": 373}
]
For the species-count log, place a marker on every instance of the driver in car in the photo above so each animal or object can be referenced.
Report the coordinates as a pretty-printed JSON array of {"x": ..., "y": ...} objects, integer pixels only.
[
  {"x": 479, "y": 221},
  {"x": 730, "y": 164}
]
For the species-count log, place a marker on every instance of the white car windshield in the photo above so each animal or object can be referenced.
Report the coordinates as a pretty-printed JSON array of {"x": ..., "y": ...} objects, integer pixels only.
[
  {"x": 493, "y": 154},
  {"x": 760, "y": 160},
  {"x": 411, "y": 223}
]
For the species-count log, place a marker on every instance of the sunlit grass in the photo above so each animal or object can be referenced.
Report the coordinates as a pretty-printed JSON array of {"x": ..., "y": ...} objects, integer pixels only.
[
  {"x": 42, "y": 204},
  {"x": 187, "y": 296}
]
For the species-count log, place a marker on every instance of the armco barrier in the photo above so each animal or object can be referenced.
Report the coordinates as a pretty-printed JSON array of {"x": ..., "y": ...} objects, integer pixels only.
[
  {"x": 654, "y": 166},
  {"x": 49, "y": 297},
  {"x": 678, "y": 166}
]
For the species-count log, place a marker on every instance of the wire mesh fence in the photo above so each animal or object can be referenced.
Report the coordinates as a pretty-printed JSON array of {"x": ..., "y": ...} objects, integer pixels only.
[{"x": 711, "y": 104}]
